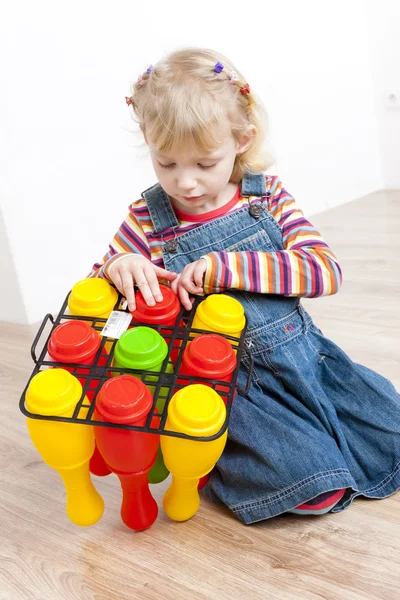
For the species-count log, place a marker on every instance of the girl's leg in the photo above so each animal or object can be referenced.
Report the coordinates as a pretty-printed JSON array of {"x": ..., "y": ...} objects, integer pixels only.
[{"x": 320, "y": 504}]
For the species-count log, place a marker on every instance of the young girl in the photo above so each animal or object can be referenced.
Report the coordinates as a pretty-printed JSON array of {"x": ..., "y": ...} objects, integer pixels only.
[{"x": 316, "y": 430}]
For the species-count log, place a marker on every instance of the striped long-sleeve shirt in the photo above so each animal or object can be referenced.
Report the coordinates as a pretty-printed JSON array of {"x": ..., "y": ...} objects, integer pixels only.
[{"x": 305, "y": 267}]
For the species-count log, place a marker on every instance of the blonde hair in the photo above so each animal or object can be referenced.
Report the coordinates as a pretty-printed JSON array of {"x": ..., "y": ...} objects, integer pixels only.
[{"x": 182, "y": 102}]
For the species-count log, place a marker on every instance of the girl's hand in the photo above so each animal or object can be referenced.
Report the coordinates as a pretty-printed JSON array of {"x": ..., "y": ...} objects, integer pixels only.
[
  {"x": 134, "y": 269},
  {"x": 190, "y": 281}
]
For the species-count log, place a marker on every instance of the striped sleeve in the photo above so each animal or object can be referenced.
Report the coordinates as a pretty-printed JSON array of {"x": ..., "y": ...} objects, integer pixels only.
[
  {"x": 306, "y": 267},
  {"x": 130, "y": 238}
]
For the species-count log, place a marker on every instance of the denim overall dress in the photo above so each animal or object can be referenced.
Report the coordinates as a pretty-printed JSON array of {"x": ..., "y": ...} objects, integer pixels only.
[{"x": 313, "y": 420}]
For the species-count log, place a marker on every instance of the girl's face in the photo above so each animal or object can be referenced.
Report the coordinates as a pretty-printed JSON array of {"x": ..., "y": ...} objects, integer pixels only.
[{"x": 198, "y": 182}]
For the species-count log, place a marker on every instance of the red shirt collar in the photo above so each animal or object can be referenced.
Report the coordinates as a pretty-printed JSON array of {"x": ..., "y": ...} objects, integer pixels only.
[{"x": 212, "y": 214}]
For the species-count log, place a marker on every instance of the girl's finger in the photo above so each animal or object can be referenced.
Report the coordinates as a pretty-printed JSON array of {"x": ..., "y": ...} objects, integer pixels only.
[
  {"x": 117, "y": 281},
  {"x": 186, "y": 279},
  {"x": 143, "y": 285},
  {"x": 164, "y": 274},
  {"x": 184, "y": 298},
  {"x": 174, "y": 286},
  {"x": 199, "y": 271},
  {"x": 190, "y": 287},
  {"x": 152, "y": 280},
  {"x": 128, "y": 290}
]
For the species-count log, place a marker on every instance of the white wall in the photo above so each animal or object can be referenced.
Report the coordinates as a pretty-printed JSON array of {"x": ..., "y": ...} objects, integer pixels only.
[
  {"x": 69, "y": 159},
  {"x": 384, "y": 43},
  {"x": 11, "y": 303}
]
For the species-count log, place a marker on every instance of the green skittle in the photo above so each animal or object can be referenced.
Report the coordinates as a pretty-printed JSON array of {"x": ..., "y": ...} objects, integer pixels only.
[{"x": 144, "y": 349}]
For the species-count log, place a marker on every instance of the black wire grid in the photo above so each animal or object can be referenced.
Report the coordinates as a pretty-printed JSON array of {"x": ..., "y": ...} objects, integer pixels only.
[{"x": 164, "y": 384}]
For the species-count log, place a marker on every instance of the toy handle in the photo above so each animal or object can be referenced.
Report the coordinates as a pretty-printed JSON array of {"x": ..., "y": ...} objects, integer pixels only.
[
  {"x": 251, "y": 365},
  {"x": 139, "y": 510},
  {"x": 37, "y": 337}
]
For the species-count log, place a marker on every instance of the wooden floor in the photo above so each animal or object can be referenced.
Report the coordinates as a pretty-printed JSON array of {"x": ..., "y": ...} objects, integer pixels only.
[{"x": 354, "y": 555}]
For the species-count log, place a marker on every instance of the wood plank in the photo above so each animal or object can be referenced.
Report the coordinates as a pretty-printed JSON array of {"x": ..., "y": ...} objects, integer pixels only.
[{"x": 354, "y": 555}]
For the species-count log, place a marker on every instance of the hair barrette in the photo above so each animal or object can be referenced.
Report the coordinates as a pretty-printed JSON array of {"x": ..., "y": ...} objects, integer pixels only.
[
  {"x": 245, "y": 89},
  {"x": 140, "y": 80},
  {"x": 234, "y": 76},
  {"x": 218, "y": 67},
  {"x": 128, "y": 101}
]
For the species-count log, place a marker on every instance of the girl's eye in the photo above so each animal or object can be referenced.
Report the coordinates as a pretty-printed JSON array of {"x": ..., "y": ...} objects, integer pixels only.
[{"x": 172, "y": 165}]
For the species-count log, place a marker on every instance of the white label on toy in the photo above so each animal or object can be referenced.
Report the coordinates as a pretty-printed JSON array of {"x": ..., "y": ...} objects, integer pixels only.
[{"x": 117, "y": 323}]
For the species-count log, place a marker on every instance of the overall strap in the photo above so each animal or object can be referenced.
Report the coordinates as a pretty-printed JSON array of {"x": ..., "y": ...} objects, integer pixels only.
[
  {"x": 162, "y": 213},
  {"x": 253, "y": 185},
  {"x": 160, "y": 209}
]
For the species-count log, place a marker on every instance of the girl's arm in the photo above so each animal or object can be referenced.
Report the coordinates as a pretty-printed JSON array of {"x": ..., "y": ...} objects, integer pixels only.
[
  {"x": 306, "y": 267},
  {"x": 129, "y": 239},
  {"x": 128, "y": 263}
]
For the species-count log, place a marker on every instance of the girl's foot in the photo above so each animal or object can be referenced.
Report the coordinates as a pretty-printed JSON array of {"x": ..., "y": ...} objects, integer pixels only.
[{"x": 320, "y": 504}]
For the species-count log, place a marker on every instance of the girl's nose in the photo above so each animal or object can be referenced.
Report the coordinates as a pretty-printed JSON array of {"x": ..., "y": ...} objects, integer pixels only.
[{"x": 186, "y": 183}]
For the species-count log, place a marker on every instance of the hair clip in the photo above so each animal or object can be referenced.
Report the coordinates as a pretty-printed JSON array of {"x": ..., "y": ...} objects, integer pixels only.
[
  {"x": 218, "y": 67},
  {"x": 128, "y": 101},
  {"x": 140, "y": 81},
  {"x": 234, "y": 76},
  {"x": 245, "y": 89}
]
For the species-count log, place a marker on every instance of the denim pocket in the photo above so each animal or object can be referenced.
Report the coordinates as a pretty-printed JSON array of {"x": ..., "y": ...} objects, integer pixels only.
[{"x": 258, "y": 241}]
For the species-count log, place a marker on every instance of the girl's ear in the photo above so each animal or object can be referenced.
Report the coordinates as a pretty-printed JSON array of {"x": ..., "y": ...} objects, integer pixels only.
[{"x": 246, "y": 139}]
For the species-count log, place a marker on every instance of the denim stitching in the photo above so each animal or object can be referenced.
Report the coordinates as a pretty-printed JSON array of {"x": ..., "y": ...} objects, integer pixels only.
[
  {"x": 204, "y": 227},
  {"x": 160, "y": 211},
  {"x": 258, "y": 503},
  {"x": 261, "y": 235},
  {"x": 246, "y": 364},
  {"x": 291, "y": 357},
  {"x": 267, "y": 363},
  {"x": 387, "y": 479},
  {"x": 275, "y": 324},
  {"x": 285, "y": 493},
  {"x": 303, "y": 352},
  {"x": 273, "y": 345},
  {"x": 202, "y": 230},
  {"x": 313, "y": 348},
  {"x": 254, "y": 305},
  {"x": 357, "y": 492}
]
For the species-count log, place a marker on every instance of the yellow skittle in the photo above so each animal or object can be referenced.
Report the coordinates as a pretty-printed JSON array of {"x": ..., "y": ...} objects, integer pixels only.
[
  {"x": 66, "y": 447},
  {"x": 199, "y": 411},
  {"x": 220, "y": 313},
  {"x": 93, "y": 298}
]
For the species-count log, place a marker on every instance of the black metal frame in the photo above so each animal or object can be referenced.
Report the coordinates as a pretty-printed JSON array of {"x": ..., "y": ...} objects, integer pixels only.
[{"x": 95, "y": 375}]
